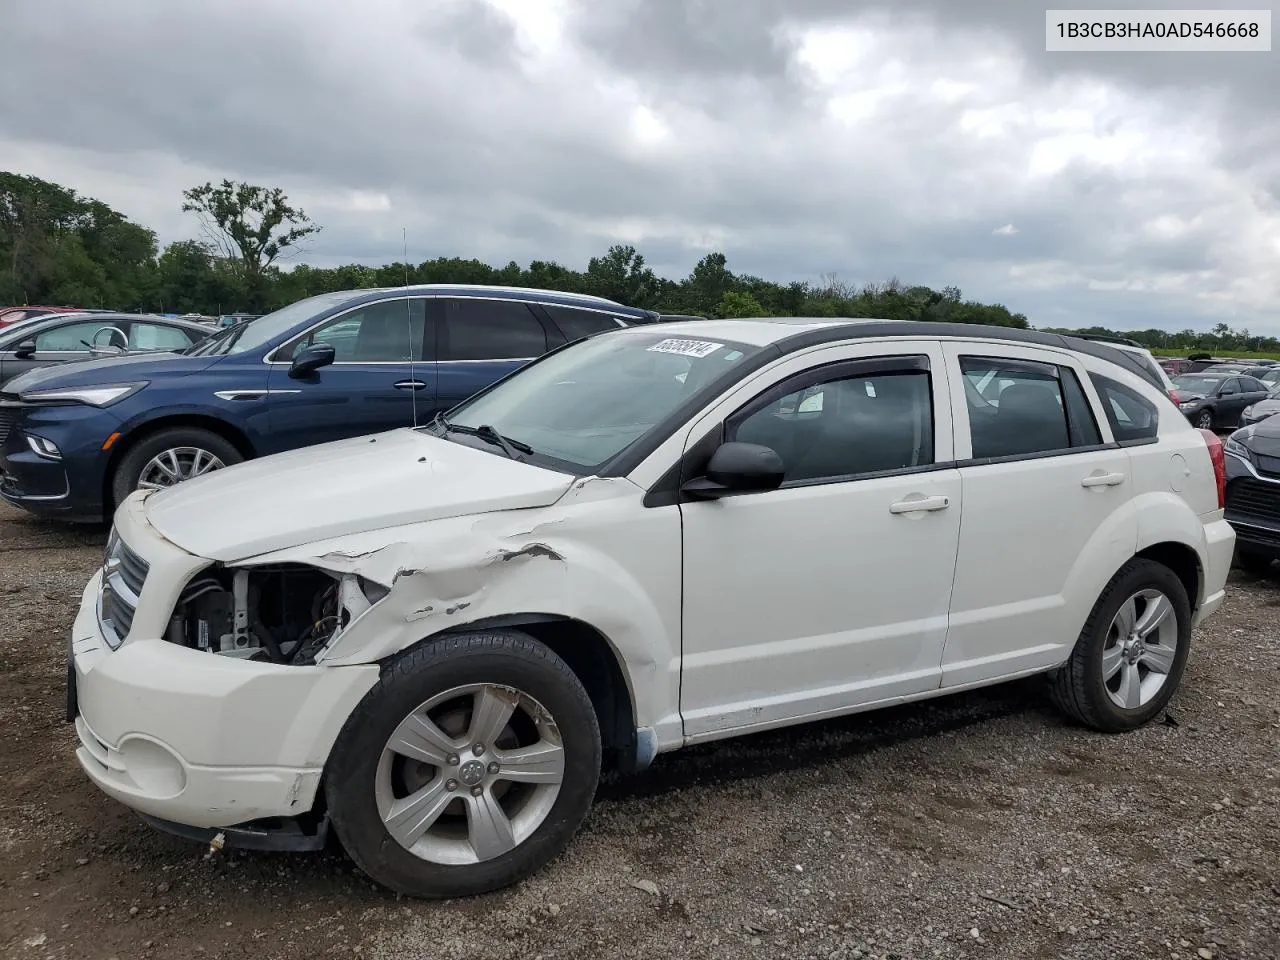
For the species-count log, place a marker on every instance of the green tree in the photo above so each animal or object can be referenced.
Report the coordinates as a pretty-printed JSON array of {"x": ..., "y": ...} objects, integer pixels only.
[
  {"x": 736, "y": 304},
  {"x": 621, "y": 275},
  {"x": 250, "y": 226}
]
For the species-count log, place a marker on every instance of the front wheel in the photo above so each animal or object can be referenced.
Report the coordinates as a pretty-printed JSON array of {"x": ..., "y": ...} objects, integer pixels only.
[
  {"x": 469, "y": 766},
  {"x": 1132, "y": 652},
  {"x": 1204, "y": 420},
  {"x": 170, "y": 456}
]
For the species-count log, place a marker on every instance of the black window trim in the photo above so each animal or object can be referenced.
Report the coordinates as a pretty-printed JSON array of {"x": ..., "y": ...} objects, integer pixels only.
[
  {"x": 666, "y": 491},
  {"x": 1098, "y": 388},
  {"x": 553, "y": 337},
  {"x": 1036, "y": 366}
]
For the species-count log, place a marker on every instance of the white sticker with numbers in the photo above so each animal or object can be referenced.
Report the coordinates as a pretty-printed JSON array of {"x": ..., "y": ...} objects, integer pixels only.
[{"x": 686, "y": 348}]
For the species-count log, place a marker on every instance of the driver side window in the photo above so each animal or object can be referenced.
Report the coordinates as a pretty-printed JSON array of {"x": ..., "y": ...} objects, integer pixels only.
[
  {"x": 385, "y": 332},
  {"x": 844, "y": 427},
  {"x": 79, "y": 337}
]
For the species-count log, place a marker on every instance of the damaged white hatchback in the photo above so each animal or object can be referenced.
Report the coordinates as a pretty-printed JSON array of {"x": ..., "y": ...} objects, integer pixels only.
[{"x": 431, "y": 641}]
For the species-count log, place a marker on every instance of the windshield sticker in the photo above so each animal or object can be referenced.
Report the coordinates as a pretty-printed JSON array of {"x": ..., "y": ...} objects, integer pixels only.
[{"x": 686, "y": 348}]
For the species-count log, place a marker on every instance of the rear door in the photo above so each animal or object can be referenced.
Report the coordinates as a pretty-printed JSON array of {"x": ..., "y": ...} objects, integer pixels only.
[
  {"x": 482, "y": 340},
  {"x": 1045, "y": 496},
  {"x": 382, "y": 367}
]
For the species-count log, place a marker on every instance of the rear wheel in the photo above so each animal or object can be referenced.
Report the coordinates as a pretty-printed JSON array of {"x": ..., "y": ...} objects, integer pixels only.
[
  {"x": 1131, "y": 654},
  {"x": 468, "y": 766},
  {"x": 170, "y": 456}
]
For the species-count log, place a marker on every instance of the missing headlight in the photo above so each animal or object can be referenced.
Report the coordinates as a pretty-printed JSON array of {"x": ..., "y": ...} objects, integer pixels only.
[{"x": 282, "y": 614}]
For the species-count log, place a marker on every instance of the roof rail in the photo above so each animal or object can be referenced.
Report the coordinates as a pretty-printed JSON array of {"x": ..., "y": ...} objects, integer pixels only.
[{"x": 1100, "y": 338}]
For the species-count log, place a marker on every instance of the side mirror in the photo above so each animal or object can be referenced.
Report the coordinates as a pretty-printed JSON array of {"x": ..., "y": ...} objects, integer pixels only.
[
  {"x": 738, "y": 468},
  {"x": 310, "y": 359},
  {"x": 25, "y": 350}
]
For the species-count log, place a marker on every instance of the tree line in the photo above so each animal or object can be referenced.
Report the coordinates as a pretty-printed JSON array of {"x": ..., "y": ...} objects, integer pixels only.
[{"x": 60, "y": 248}]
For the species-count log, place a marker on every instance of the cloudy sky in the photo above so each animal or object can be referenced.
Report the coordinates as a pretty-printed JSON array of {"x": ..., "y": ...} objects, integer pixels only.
[{"x": 934, "y": 140}]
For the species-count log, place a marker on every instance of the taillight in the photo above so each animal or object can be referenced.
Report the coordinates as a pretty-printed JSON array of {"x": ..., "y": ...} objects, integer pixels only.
[
  {"x": 1173, "y": 395},
  {"x": 1219, "y": 458}
]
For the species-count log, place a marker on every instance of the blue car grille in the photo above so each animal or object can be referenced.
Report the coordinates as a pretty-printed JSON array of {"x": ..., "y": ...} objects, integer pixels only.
[{"x": 8, "y": 417}]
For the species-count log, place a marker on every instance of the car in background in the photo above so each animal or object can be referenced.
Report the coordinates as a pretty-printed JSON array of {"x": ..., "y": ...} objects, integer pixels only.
[
  {"x": 1174, "y": 366},
  {"x": 12, "y": 315},
  {"x": 1253, "y": 493},
  {"x": 68, "y": 337},
  {"x": 1267, "y": 407},
  {"x": 1215, "y": 401},
  {"x": 74, "y": 442},
  {"x": 1139, "y": 352},
  {"x": 231, "y": 319},
  {"x": 1249, "y": 369}
]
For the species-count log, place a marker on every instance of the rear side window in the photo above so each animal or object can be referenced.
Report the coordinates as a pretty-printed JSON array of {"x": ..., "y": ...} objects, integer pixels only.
[
  {"x": 476, "y": 329},
  {"x": 1023, "y": 408},
  {"x": 1133, "y": 418},
  {"x": 574, "y": 323}
]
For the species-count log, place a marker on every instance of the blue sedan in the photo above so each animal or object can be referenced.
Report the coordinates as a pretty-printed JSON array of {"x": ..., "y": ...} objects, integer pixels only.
[{"x": 76, "y": 440}]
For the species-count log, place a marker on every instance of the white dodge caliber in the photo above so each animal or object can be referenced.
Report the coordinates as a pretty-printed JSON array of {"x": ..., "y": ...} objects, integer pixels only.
[{"x": 431, "y": 641}]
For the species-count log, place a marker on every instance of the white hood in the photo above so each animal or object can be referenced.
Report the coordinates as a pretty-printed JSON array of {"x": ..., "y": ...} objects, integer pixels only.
[{"x": 350, "y": 486}]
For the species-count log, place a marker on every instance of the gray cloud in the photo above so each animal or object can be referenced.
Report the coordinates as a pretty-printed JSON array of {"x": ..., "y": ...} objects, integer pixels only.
[{"x": 1145, "y": 189}]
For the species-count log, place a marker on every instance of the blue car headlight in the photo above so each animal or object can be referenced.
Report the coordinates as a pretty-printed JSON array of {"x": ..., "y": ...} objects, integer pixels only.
[{"x": 96, "y": 396}]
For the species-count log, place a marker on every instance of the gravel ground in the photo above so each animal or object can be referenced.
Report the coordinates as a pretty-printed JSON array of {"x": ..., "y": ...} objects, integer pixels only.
[{"x": 981, "y": 825}]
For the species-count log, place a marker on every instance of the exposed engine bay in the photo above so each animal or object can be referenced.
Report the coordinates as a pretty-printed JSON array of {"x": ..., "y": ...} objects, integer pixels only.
[{"x": 283, "y": 614}]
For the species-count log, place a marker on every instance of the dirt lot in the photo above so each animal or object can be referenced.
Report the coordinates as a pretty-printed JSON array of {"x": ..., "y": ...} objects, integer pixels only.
[{"x": 976, "y": 826}]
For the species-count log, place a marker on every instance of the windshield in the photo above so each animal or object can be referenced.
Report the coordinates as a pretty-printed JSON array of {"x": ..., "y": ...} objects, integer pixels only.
[
  {"x": 253, "y": 334},
  {"x": 587, "y": 403},
  {"x": 1201, "y": 385}
]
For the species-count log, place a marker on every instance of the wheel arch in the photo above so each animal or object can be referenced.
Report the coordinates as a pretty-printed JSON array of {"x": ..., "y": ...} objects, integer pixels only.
[
  {"x": 139, "y": 432},
  {"x": 595, "y": 662}
]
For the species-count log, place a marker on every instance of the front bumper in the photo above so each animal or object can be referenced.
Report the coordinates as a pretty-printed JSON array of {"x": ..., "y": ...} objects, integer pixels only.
[
  {"x": 70, "y": 488},
  {"x": 198, "y": 739}
]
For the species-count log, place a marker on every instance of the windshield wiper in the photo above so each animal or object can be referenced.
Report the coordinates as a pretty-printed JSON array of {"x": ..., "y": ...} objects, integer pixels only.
[{"x": 486, "y": 432}]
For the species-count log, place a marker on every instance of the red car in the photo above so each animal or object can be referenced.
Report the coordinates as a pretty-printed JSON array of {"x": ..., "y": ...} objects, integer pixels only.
[{"x": 11, "y": 315}]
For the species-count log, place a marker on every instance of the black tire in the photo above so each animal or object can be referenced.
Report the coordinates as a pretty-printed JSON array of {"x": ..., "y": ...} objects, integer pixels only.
[
  {"x": 1077, "y": 687},
  {"x": 128, "y": 471},
  {"x": 1257, "y": 563},
  {"x": 500, "y": 657},
  {"x": 1205, "y": 419}
]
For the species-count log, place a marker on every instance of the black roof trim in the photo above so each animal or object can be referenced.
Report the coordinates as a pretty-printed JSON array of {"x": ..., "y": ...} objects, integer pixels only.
[{"x": 866, "y": 329}]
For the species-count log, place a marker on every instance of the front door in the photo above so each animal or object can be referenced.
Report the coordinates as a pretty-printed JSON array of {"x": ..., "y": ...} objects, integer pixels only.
[
  {"x": 831, "y": 591},
  {"x": 371, "y": 386},
  {"x": 1046, "y": 502}
]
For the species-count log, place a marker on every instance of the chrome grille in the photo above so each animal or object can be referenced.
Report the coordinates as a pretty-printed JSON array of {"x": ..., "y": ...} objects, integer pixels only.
[
  {"x": 124, "y": 574},
  {"x": 1253, "y": 501}
]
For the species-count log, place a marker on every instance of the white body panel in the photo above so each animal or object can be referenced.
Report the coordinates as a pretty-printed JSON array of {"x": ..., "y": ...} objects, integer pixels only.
[{"x": 724, "y": 615}]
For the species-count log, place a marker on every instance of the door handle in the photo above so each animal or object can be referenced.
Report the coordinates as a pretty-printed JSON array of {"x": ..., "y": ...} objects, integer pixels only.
[
  {"x": 409, "y": 385},
  {"x": 920, "y": 504},
  {"x": 1102, "y": 480}
]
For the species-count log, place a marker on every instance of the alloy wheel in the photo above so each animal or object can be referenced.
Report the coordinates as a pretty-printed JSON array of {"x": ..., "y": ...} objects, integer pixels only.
[
  {"x": 1140, "y": 649},
  {"x": 175, "y": 465},
  {"x": 470, "y": 774}
]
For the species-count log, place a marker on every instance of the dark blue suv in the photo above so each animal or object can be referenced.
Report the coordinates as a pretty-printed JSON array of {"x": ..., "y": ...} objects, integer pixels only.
[{"x": 76, "y": 439}]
